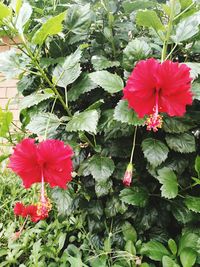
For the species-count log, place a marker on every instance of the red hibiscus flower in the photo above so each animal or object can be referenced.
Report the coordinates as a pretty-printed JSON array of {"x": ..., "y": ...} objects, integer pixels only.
[
  {"x": 50, "y": 160},
  {"x": 34, "y": 211},
  {"x": 158, "y": 87}
]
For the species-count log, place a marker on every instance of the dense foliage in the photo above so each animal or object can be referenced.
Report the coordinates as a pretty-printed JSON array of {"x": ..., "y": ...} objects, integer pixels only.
[{"x": 72, "y": 59}]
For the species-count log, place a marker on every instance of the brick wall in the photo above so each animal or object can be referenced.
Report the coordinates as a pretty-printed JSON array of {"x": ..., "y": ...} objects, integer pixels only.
[{"x": 8, "y": 88}]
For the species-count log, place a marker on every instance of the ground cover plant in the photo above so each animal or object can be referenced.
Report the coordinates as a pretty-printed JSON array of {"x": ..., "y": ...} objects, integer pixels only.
[{"x": 107, "y": 155}]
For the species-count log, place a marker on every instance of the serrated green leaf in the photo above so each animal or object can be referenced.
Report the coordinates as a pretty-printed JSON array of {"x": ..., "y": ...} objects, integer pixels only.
[
  {"x": 83, "y": 85},
  {"x": 23, "y": 17},
  {"x": 101, "y": 62},
  {"x": 188, "y": 257},
  {"x": 6, "y": 117},
  {"x": 194, "y": 69},
  {"x": 102, "y": 188},
  {"x": 16, "y": 5},
  {"x": 6, "y": 12},
  {"x": 177, "y": 125},
  {"x": 79, "y": 19},
  {"x": 193, "y": 203},
  {"x": 154, "y": 151},
  {"x": 136, "y": 196},
  {"x": 112, "y": 83},
  {"x": 168, "y": 179},
  {"x": 136, "y": 50},
  {"x": 154, "y": 250},
  {"x": 181, "y": 213},
  {"x": 150, "y": 19},
  {"x": 84, "y": 121},
  {"x": 51, "y": 27},
  {"x": 63, "y": 201},
  {"x": 186, "y": 28},
  {"x": 101, "y": 168},
  {"x": 34, "y": 99},
  {"x": 125, "y": 114},
  {"x": 66, "y": 73},
  {"x": 44, "y": 123},
  {"x": 139, "y": 4},
  {"x": 183, "y": 143},
  {"x": 168, "y": 262}
]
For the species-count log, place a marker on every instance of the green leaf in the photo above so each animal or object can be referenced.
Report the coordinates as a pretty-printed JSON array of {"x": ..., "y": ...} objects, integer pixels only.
[
  {"x": 188, "y": 240},
  {"x": 136, "y": 50},
  {"x": 197, "y": 165},
  {"x": 149, "y": 18},
  {"x": 101, "y": 62},
  {"x": 112, "y": 83},
  {"x": 188, "y": 257},
  {"x": 23, "y": 17},
  {"x": 61, "y": 241},
  {"x": 84, "y": 121},
  {"x": 183, "y": 143},
  {"x": 6, "y": 117},
  {"x": 129, "y": 232},
  {"x": 196, "y": 90},
  {"x": 186, "y": 28},
  {"x": 63, "y": 201},
  {"x": 154, "y": 151},
  {"x": 102, "y": 188},
  {"x": 44, "y": 123},
  {"x": 139, "y": 4},
  {"x": 136, "y": 196},
  {"x": 194, "y": 69},
  {"x": 154, "y": 250},
  {"x": 100, "y": 167},
  {"x": 51, "y": 27},
  {"x": 168, "y": 262},
  {"x": 66, "y": 73},
  {"x": 168, "y": 179},
  {"x": 193, "y": 203},
  {"x": 172, "y": 246},
  {"x": 181, "y": 213},
  {"x": 177, "y": 125},
  {"x": 83, "y": 85},
  {"x": 35, "y": 99},
  {"x": 79, "y": 19},
  {"x": 125, "y": 114},
  {"x": 5, "y": 13}
]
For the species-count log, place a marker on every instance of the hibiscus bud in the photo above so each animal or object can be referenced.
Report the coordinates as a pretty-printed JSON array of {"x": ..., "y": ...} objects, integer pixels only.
[
  {"x": 128, "y": 175},
  {"x": 16, "y": 235}
]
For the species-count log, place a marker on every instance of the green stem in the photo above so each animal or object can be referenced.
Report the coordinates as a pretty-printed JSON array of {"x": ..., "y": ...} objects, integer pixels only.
[
  {"x": 187, "y": 8},
  {"x": 169, "y": 28},
  {"x": 133, "y": 147},
  {"x": 47, "y": 126}
]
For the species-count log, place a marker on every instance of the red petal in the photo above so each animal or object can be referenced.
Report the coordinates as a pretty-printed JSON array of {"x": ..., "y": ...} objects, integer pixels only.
[
  {"x": 55, "y": 159},
  {"x": 19, "y": 209},
  {"x": 24, "y": 162},
  {"x": 140, "y": 87}
]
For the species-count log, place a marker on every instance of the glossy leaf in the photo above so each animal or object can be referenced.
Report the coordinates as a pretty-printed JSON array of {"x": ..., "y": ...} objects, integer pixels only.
[
  {"x": 84, "y": 121},
  {"x": 112, "y": 83},
  {"x": 136, "y": 196},
  {"x": 168, "y": 179},
  {"x": 154, "y": 151},
  {"x": 183, "y": 143}
]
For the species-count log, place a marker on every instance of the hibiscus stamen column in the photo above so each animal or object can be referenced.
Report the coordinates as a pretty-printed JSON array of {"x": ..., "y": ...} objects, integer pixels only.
[
  {"x": 154, "y": 121},
  {"x": 44, "y": 206}
]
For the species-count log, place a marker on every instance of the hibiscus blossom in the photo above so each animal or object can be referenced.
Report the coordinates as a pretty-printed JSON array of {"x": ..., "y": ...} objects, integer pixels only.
[
  {"x": 49, "y": 161},
  {"x": 155, "y": 87},
  {"x": 33, "y": 211}
]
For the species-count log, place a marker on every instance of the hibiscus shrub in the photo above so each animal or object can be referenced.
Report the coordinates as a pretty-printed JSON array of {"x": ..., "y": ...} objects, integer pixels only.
[{"x": 117, "y": 82}]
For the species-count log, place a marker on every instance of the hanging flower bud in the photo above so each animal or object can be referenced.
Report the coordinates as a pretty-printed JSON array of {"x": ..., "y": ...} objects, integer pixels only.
[{"x": 128, "y": 175}]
